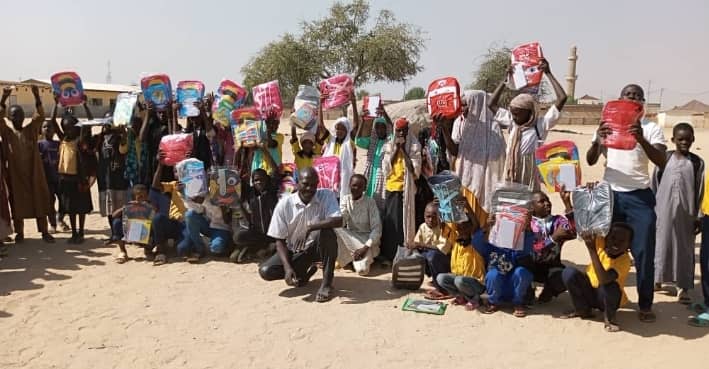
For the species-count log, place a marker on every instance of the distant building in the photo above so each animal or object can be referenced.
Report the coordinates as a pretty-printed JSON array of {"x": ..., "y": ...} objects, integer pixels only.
[
  {"x": 694, "y": 112},
  {"x": 101, "y": 97},
  {"x": 589, "y": 100}
]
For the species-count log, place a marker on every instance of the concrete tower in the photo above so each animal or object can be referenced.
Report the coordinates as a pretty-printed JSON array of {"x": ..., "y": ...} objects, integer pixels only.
[{"x": 571, "y": 76}]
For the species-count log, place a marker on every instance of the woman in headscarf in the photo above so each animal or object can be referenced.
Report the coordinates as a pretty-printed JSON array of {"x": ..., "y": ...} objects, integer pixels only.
[
  {"x": 402, "y": 166},
  {"x": 527, "y": 130},
  {"x": 340, "y": 145},
  {"x": 373, "y": 141}
]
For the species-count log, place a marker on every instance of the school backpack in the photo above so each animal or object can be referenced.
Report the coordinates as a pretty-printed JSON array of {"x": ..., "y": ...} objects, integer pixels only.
[
  {"x": 408, "y": 269},
  {"x": 443, "y": 97}
]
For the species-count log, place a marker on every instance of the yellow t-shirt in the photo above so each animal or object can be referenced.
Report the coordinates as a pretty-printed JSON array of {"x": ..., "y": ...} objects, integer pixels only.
[
  {"x": 432, "y": 238},
  {"x": 705, "y": 199},
  {"x": 68, "y": 157},
  {"x": 395, "y": 179},
  {"x": 177, "y": 205},
  {"x": 302, "y": 161},
  {"x": 465, "y": 261},
  {"x": 621, "y": 265}
]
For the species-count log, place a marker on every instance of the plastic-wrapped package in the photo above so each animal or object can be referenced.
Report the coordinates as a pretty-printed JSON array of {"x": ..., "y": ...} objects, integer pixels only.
[
  {"x": 620, "y": 115},
  {"x": 229, "y": 97},
  {"x": 190, "y": 172},
  {"x": 446, "y": 187},
  {"x": 306, "y": 104},
  {"x": 224, "y": 186},
  {"x": 157, "y": 90},
  {"x": 328, "y": 168},
  {"x": 593, "y": 209},
  {"x": 370, "y": 104},
  {"x": 188, "y": 93},
  {"x": 526, "y": 59},
  {"x": 511, "y": 206},
  {"x": 339, "y": 89},
  {"x": 267, "y": 98},
  {"x": 443, "y": 97},
  {"x": 137, "y": 222},
  {"x": 558, "y": 164},
  {"x": 68, "y": 87},
  {"x": 176, "y": 147},
  {"x": 250, "y": 132},
  {"x": 125, "y": 104}
]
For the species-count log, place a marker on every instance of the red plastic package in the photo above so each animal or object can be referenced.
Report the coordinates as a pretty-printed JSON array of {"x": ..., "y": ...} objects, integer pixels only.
[
  {"x": 176, "y": 147},
  {"x": 338, "y": 89},
  {"x": 370, "y": 104},
  {"x": 527, "y": 58},
  {"x": 328, "y": 168},
  {"x": 267, "y": 98},
  {"x": 620, "y": 115},
  {"x": 444, "y": 97}
]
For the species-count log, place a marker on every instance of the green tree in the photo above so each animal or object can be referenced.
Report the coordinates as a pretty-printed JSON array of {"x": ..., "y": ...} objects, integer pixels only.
[
  {"x": 344, "y": 41},
  {"x": 415, "y": 93},
  {"x": 361, "y": 94}
]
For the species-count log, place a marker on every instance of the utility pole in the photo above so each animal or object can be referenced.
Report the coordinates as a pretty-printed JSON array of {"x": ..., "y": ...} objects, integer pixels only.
[
  {"x": 647, "y": 98},
  {"x": 108, "y": 73},
  {"x": 662, "y": 90}
]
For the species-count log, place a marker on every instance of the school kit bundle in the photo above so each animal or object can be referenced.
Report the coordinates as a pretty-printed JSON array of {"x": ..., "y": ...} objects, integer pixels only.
[
  {"x": 593, "y": 209},
  {"x": 188, "y": 93},
  {"x": 511, "y": 206},
  {"x": 247, "y": 126},
  {"x": 125, "y": 104},
  {"x": 558, "y": 164},
  {"x": 229, "y": 97},
  {"x": 68, "y": 88},
  {"x": 157, "y": 90},
  {"x": 443, "y": 97},
  {"x": 527, "y": 75},
  {"x": 137, "y": 222},
  {"x": 338, "y": 89},
  {"x": 224, "y": 186},
  {"x": 191, "y": 174},
  {"x": 267, "y": 98},
  {"x": 370, "y": 104},
  {"x": 176, "y": 147},
  {"x": 306, "y": 105},
  {"x": 328, "y": 168},
  {"x": 620, "y": 115},
  {"x": 446, "y": 187}
]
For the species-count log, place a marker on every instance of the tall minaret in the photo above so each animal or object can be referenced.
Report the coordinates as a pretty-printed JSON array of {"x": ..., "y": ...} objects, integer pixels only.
[{"x": 571, "y": 76}]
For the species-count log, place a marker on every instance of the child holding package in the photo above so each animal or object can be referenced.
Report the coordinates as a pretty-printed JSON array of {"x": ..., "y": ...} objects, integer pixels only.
[
  {"x": 430, "y": 242},
  {"x": 140, "y": 196}
]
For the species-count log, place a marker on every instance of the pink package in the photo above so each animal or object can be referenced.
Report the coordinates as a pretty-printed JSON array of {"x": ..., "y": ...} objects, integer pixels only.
[
  {"x": 328, "y": 168},
  {"x": 620, "y": 115},
  {"x": 176, "y": 147},
  {"x": 338, "y": 89},
  {"x": 267, "y": 98},
  {"x": 529, "y": 56}
]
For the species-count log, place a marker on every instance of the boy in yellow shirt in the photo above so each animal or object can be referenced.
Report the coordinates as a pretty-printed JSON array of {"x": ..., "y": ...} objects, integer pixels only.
[
  {"x": 429, "y": 241},
  {"x": 601, "y": 286}
]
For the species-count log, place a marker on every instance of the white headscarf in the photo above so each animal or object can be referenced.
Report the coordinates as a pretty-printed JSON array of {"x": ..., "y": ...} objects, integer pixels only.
[{"x": 346, "y": 155}]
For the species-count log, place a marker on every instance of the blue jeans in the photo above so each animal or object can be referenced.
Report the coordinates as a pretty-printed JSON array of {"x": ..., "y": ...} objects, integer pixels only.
[
  {"x": 637, "y": 208},
  {"x": 513, "y": 286},
  {"x": 165, "y": 229},
  {"x": 436, "y": 263},
  {"x": 197, "y": 225},
  {"x": 458, "y": 285},
  {"x": 704, "y": 259},
  {"x": 117, "y": 229}
]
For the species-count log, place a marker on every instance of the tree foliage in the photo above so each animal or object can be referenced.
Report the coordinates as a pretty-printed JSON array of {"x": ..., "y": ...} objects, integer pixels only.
[
  {"x": 415, "y": 93},
  {"x": 347, "y": 40}
]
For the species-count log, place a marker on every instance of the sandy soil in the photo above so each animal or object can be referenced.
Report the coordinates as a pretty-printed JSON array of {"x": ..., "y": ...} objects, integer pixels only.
[{"x": 68, "y": 306}]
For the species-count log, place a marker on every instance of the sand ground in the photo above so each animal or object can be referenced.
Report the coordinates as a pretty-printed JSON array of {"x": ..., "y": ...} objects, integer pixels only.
[{"x": 68, "y": 306}]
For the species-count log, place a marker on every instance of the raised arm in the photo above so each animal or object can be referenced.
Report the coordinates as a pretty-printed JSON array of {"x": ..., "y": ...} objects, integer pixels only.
[
  {"x": 143, "y": 136},
  {"x": 38, "y": 117},
  {"x": 494, "y": 102},
  {"x": 446, "y": 125},
  {"x": 558, "y": 90},
  {"x": 355, "y": 116},
  {"x": 89, "y": 116},
  {"x": 596, "y": 149}
]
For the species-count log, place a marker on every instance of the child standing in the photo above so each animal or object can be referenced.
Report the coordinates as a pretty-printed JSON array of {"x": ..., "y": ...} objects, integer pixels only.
[
  {"x": 526, "y": 129},
  {"x": 430, "y": 242},
  {"x": 702, "y": 319},
  {"x": 112, "y": 183},
  {"x": 73, "y": 182},
  {"x": 49, "y": 152},
  {"x": 550, "y": 233},
  {"x": 678, "y": 190},
  {"x": 602, "y": 285}
]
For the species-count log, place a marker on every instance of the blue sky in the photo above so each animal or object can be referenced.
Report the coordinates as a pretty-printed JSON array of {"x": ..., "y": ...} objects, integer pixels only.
[{"x": 619, "y": 41}]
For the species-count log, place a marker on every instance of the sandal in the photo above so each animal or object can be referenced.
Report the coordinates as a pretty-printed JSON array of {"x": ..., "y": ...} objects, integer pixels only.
[
  {"x": 647, "y": 316},
  {"x": 701, "y": 320},
  {"x": 698, "y": 307},
  {"x": 436, "y": 295},
  {"x": 160, "y": 259},
  {"x": 122, "y": 259},
  {"x": 519, "y": 312},
  {"x": 490, "y": 309},
  {"x": 324, "y": 294}
]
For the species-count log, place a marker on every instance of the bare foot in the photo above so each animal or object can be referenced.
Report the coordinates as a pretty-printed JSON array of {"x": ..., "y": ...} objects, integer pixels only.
[{"x": 324, "y": 294}]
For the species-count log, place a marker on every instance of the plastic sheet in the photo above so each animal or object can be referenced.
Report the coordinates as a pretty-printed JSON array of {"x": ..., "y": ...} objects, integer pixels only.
[
  {"x": 446, "y": 187},
  {"x": 620, "y": 115},
  {"x": 558, "y": 164},
  {"x": 339, "y": 89},
  {"x": 188, "y": 93},
  {"x": 511, "y": 206},
  {"x": 176, "y": 147},
  {"x": 190, "y": 172},
  {"x": 157, "y": 90},
  {"x": 306, "y": 105},
  {"x": 68, "y": 87},
  {"x": 593, "y": 209},
  {"x": 443, "y": 97}
]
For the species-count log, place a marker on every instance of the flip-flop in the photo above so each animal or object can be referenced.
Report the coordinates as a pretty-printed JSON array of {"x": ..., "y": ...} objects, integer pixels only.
[
  {"x": 160, "y": 259},
  {"x": 698, "y": 307},
  {"x": 701, "y": 320},
  {"x": 490, "y": 309},
  {"x": 437, "y": 295},
  {"x": 323, "y": 298},
  {"x": 519, "y": 312}
]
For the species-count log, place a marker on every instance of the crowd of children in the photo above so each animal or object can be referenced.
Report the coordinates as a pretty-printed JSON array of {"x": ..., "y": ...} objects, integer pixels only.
[{"x": 373, "y": 216}]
